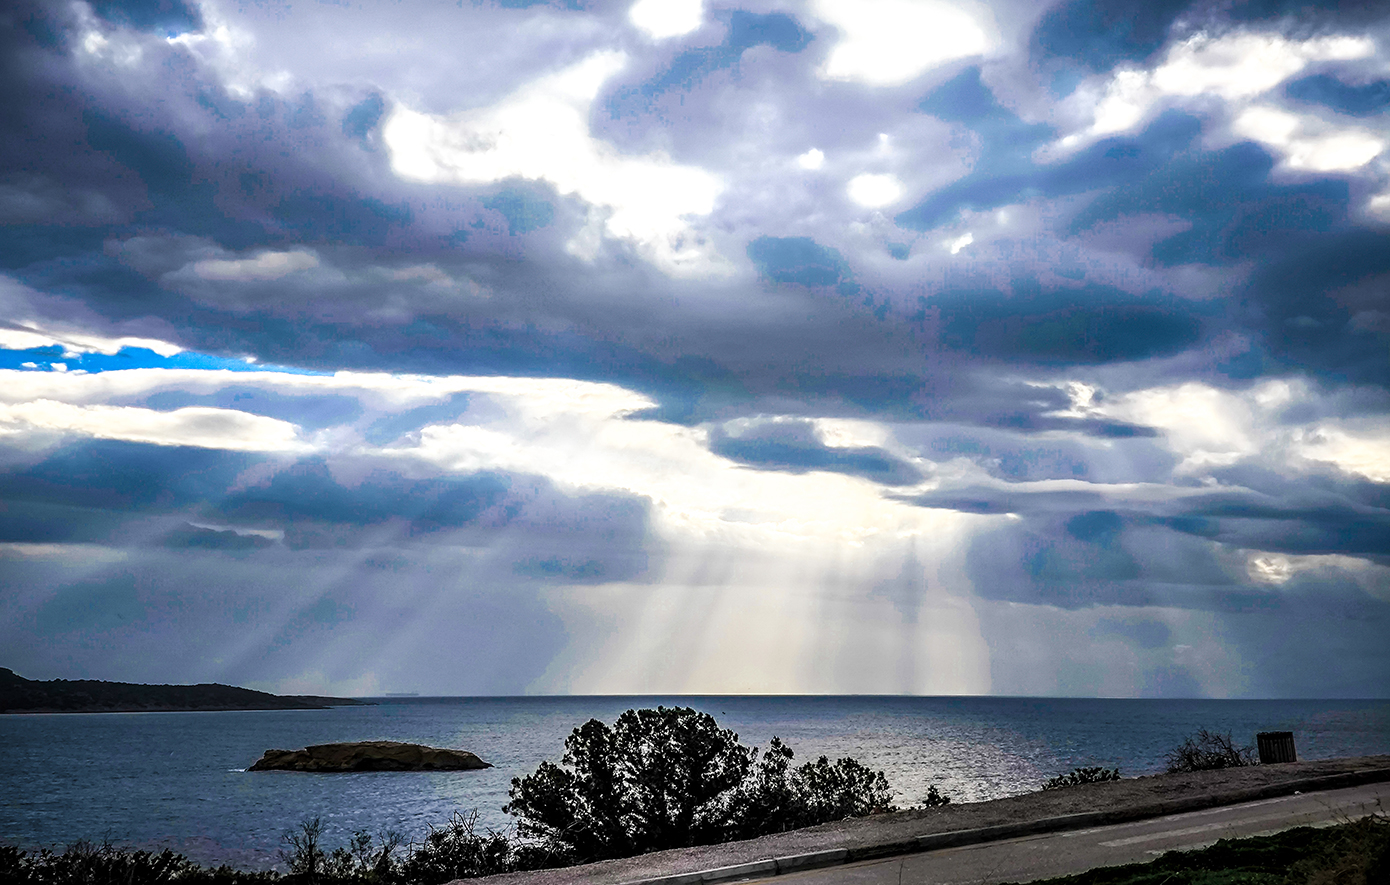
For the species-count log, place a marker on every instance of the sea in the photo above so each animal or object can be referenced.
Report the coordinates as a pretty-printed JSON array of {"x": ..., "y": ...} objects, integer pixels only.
[{"x": 179, "y": 780}]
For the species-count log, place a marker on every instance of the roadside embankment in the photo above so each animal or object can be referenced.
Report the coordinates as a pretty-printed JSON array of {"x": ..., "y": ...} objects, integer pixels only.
[{"x": 924, "y": 830}]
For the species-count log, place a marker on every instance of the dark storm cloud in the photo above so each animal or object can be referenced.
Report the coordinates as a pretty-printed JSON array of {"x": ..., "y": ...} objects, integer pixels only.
[
  {"x": 1069, "y": 326},
  {"x": 1098, "y": 34},
  {"x": 1356, "y": 99},
  {"x": 88, "y": 491},
  {"x": 795, "y": 447},
  {"x": 195, "y": 615},
  {"x": 307, "y": 491},
  {"x": 163, "y": 17},
  {"x": 195, "y": 537},
  {"x": 139, "y": 197},
  {"x": 1146, "y": 633},
  {"x": 1343, "y": 662},
  {"x": 301, "y": 195},
  {"x": 800, "y": 260},
  {"x": 108, "y": 492}
]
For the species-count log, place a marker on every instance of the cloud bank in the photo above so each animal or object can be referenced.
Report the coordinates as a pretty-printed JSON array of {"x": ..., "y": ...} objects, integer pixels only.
[{"x": 903, "y": 347}]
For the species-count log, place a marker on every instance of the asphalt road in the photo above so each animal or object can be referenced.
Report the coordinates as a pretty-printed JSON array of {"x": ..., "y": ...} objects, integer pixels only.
[{"x": 1064, "y": 854}]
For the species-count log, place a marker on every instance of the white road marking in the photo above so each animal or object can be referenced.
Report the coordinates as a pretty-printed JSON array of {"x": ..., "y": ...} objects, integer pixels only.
[{"x": 1189, "y": 831}]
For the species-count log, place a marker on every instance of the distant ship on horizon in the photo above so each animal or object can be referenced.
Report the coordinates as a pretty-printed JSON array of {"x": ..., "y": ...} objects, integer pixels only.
[{"x": 401, "y": 694}]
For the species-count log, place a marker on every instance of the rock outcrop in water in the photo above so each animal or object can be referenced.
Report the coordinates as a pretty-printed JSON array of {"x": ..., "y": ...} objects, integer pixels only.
[{"x": 368, "y": 756}]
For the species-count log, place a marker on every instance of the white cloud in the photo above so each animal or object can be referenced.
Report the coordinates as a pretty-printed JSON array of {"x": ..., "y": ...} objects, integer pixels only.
[
  {"x": 1245, "y": 64},
  {"x": 785, "y": 554},
  {"x": 1206, "y": 426},
  {"x": 264, "y": 266},
  {"x": 1280, "y": 568},
  {"x": 25, "y": 337},
  {"x": 812, "y": 159},
  {"x": 960, "y": 242},
  {"x": 194, "y": 426},
  {"x": 890, "y": 42},
  {"x": 1366, "y": 453},
  {"x": 661, "y": 19},
  {"x": 1233, "y": 68},
  {"x": 1306, "y": 143},
  {"x": 874, "y": 191},
  {"x": 542, "y": 133},
  {"x": 69, "y": 554}
]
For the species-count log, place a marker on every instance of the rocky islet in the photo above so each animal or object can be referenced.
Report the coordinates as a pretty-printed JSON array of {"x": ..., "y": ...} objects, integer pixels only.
[{"x": 368, "y": 756}]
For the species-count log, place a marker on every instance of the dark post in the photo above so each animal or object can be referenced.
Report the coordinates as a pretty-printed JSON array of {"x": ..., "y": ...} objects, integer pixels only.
[{"x": 1276, "y": 746}]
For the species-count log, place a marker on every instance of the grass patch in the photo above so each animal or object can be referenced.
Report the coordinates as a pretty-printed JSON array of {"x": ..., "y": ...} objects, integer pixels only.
[{"x": 1353, "y": 853}]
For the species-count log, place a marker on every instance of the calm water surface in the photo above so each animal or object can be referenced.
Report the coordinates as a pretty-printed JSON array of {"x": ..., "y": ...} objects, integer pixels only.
[{"x": 177, "y": 779}]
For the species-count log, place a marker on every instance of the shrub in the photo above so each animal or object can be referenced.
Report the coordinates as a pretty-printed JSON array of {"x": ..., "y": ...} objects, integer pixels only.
[
  {"x": 652, "y": 781},
  {"x": 1078, "y": 776},
  {"x": 83, "y": 863},
  {"x": 364, "y": 861},
  {"x": 670, "y": 778},
  {"x": 775, "y": 797},
  {"x": 1208, "y": 751},
  {"x": 935, "y": 799},
  {"x": 302, "y": 852},
  {"x": 459, "y": 851}
]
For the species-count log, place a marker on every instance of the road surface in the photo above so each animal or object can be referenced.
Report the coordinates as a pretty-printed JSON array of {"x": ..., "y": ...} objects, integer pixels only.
[{"x": 1064, "y": 854}]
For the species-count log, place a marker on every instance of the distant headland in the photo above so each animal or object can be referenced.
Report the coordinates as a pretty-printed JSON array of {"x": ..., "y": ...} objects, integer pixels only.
[{"x": 20, "y": 695}]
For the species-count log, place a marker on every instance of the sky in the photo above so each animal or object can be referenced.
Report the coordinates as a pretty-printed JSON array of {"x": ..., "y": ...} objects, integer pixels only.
[{"x": 697, "y": 346}]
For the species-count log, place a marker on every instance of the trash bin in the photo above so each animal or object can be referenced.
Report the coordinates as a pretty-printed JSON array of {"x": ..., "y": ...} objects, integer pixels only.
[{"x": 1276, "y": 746}]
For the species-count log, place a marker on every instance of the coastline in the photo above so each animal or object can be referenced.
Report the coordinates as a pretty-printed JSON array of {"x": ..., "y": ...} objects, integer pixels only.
[
  {"x": 20, "y": 696},
  {"x": 908, "y": 831}
]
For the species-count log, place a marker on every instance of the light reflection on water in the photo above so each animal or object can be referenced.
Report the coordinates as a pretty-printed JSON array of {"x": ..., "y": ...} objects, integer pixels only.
[{"x": 177, "y": 779}]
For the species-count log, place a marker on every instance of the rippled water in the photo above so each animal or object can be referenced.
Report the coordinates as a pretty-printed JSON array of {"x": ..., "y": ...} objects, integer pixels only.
[{"x": 177, "y": 779}]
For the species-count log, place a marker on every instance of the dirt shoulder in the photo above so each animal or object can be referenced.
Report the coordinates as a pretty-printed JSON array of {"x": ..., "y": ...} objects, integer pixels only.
[{"x": 1130, "y": 798}]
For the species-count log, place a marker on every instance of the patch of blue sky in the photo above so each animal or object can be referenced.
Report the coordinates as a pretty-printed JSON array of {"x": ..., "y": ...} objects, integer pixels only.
[
  {"x": 745, "y": 31},
  {"x": 56, "y": 358}
]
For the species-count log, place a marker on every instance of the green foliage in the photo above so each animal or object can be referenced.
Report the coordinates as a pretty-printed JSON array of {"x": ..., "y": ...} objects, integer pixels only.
[
  {"x": 1208, "y": 751},
  {"x": 670, "y": 778},
  {"x": 1078, "y": 776},
  {"x": 935, "y": 799}
]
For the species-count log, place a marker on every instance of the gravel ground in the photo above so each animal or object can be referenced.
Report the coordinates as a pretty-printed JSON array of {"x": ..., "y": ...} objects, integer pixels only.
[{"x": 1128, "y": 795}]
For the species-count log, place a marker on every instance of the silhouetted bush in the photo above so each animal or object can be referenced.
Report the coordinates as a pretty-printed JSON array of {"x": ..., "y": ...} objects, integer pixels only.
[
  {"x": 774, "y": 797},
  {"x": 459, "y": 851},
  {"x": 670, "y": 778},
  {"x": 83, "y": 863},
  {"x": 1078, "y": 776},
  {"x": 365, "y": 861},
  {"x": 1208, "y": 751}
]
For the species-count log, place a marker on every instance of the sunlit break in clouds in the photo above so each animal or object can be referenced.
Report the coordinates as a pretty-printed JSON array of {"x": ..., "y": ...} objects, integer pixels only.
[{"x": 887, "y": 346}]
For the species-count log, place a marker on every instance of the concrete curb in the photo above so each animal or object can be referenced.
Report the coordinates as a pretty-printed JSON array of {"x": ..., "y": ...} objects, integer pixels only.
[{"x": 837, "y": 856}]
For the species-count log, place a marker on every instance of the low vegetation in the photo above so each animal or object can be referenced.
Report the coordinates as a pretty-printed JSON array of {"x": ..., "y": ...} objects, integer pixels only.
[
  {"x": 655, "y": 779},
  {"x": 1353, "y": 853},
  {"x": 86, "y": 864},
  {"x": 1208, "y": 751},
  {"x": 1078, "y": 776},
  {"x": 671, "y": 778}
]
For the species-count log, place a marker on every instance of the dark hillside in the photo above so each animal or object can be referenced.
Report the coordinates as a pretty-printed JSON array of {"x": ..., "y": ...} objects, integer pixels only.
[{"x": 20, "y": 695}]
